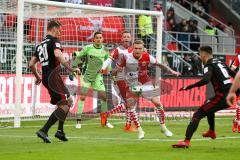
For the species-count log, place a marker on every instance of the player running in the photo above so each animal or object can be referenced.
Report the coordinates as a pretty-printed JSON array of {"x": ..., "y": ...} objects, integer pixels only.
[
  {"x": 49, "y": 54},
  {"x": 95, "y": 54},
  {"x": 119, "y": 85},
  {"x": 220, "y": 76},
  {"x": 138, "y": 82}
]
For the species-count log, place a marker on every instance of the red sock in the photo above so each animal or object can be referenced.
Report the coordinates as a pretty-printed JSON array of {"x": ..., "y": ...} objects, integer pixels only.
[
  {"x": 238, "y": 112},
  {"x": 134, "y": 118},
  {"x": 161, "y": 115},
  {"x": 116, "y": 109},
  {"x": 128, "y": 117}
]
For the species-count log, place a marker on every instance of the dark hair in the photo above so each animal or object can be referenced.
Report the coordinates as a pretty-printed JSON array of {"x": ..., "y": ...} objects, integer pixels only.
[
  {"x": 96, "y": 33},
  {"x": 206, "y": 49},
  {"x": 53, "y": 23},
  {"x": 125, "y": 32},
  {"x": 139, "y": 41}
]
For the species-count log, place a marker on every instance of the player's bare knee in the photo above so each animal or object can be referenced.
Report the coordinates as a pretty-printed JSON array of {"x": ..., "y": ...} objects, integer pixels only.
[{"x": 156, "y": 101}]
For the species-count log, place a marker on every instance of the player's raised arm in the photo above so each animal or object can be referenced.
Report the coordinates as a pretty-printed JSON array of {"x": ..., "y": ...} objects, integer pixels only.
[
  {"x": 32, "y": 66},
  {"x": 164, "y": 67},
  {"x": 208, "y": 71}
]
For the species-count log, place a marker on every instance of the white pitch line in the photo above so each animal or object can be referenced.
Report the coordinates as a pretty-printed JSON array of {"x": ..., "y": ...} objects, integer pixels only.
[
  {"x": 122, "y": 122},
  {"x": 67, "y": 125},
  {"x": 125, "y": 139}
]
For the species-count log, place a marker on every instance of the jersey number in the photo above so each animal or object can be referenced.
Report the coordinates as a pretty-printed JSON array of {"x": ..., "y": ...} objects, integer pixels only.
[
  {"x": 223, "y": 70},
  {"x": 43, "y": 54}
]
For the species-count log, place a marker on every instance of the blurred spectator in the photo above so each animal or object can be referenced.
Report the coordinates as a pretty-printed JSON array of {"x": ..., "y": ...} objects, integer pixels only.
[
  {"x": 186, "y": 69},
  {"x": 179, "y": 27},
  {"x": 198, "y": 6},
  {"x": 185, "y": 4},
  {"x": 197, "y": 68},
  {"x": 229, "y": 30},
  {"x": 170, "y": 19},
  {"x": 194, "y": 41},
  {"x": 184, "y": 38},
  {"x": 157, "y": 7},
  {"x": 206, "y": 5},
  {"x": 191, "y": 26},
  {"x": 210, "y": 29},
  {"x": 220, "y": 26},
  {"x": 145, "y": 27}
]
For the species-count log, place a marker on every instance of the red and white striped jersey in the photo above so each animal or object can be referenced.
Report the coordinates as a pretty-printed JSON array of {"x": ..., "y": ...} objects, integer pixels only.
[
  {"x": 237, "y": 61},
  {"x": 136, "y": 70},
  {"x": 117, "y": 54}
]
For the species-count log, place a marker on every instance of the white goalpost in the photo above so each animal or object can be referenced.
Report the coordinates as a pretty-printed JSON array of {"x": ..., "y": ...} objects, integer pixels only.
[{"x": 27, "y": 20}]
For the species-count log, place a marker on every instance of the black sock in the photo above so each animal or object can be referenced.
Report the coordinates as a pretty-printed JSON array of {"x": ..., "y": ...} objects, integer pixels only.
[
  {"x": 211, "y": 121},
  {"x": 60, "y": 125},
  {"x": 60, "y": 114},
  {"x": 51, "y": 121},
  {"x": 193, "y": 125}
]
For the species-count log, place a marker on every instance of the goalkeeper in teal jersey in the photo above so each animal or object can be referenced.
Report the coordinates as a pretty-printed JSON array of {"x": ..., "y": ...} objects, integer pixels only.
[{"x": 95, "y": 55}]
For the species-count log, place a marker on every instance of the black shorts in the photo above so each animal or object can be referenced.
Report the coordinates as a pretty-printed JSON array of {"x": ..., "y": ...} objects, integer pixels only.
[
  {"x": 216, "y": 103},
  {"x": 56, "y": 88}
]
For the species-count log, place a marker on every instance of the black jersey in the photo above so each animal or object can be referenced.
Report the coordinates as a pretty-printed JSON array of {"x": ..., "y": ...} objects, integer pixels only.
[
  {"x": 45, "y": 53},
  {"x": 219, "y": 75}
]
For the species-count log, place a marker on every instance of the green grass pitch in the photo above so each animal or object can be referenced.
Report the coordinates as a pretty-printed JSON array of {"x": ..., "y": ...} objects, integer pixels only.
[{"x": 92, "y": 142}]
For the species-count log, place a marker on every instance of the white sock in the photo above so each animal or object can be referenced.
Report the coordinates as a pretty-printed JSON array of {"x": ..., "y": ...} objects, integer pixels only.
[{"x": 140, "y": 129}]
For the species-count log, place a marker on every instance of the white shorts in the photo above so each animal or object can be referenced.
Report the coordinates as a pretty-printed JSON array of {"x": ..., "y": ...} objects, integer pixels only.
[{"x": 147, "y": 90}]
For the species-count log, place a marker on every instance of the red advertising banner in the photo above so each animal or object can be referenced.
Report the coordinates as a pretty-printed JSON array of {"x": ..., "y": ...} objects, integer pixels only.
[
  {"x": 82, "y": 29},
  {"x": 35, "y": 99},
  {"x": 171, "y": 97}
]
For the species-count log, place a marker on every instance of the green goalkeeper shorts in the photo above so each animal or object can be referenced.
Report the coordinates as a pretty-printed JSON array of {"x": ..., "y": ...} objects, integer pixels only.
[{"x": 96, "y": 85}]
